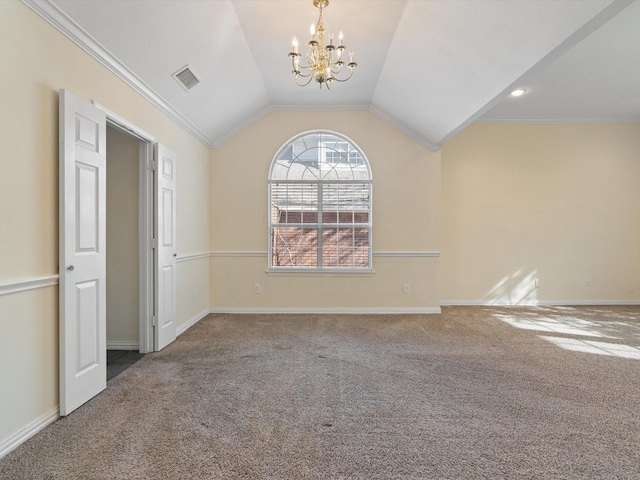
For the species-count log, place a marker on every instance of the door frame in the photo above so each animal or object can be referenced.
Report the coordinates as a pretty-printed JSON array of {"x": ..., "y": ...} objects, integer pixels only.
[{"x": 145, "y": 225}]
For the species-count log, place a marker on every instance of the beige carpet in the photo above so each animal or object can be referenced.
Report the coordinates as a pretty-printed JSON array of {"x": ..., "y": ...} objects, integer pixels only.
[{"x": 544, "y": 393}]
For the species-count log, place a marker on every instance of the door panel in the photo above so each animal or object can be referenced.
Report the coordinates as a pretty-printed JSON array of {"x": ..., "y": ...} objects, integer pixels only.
[
  {"x": 166, "y": 296},
  {"x": 165, "y": 215},
  {"x": 82, "y": 186},
  {"x": 87, "y": 215},
  {"x": 87, "y": 335}
]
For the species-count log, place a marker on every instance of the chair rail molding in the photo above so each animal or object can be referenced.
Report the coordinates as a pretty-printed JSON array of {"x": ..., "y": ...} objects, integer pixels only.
[
  {"x": 192, "y": 256},
  {"x": 30, "y": 284}
]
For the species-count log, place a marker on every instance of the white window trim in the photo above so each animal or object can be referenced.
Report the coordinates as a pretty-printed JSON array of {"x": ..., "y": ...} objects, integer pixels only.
[{"x": 320, "y": 271}]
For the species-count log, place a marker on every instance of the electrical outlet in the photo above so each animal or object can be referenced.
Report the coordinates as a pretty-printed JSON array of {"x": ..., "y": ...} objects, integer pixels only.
[
  {"x": 257, "y": 288},
  {"x": 587, "y": 281},
  {"x": 405, "y": 288},
  {"x": 537, "y": 283}
]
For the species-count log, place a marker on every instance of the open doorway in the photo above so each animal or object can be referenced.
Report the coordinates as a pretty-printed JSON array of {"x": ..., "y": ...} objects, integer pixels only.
[
  {"x": 130, "y": 237},
  {"x": 123, "y": 251}
]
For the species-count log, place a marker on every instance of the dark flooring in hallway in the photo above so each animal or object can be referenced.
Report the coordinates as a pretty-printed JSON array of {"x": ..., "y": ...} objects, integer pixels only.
[{"x": 119, "y": 360}]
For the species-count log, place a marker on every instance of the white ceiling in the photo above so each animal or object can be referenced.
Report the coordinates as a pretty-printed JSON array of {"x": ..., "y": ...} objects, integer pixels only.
[{"x": 429, "y": 67}]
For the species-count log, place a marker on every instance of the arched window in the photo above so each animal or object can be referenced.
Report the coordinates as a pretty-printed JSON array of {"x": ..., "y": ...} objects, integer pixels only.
[{"x": 320, "y": 205}]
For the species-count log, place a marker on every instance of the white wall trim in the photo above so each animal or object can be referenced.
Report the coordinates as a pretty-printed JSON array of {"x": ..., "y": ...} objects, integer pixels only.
[
  {"x": 416, "y": 137},
  {"x": 406, "y": 254},
  {"x": 59, "y": 20},
  {"x": 309, "y": 272},
  {"x": 331, "y": 310},
  {"x": 559, "y": 121},
  {"x": 353, "y": 107},
  {"x": 537, "y": 303},
  {"x": 117, "y": 121},
  {"x": 31, "y": 284},
  {"x": 375, "y": 254},
  {"x": 122, "y": 345},
  {"x": 236, "y": 130},
  {"x": 29, "y": 431},
  {"x": 192, "y": 256},
  {"x": 186, "y": 326},
  {"x": 238, "y": 254}
]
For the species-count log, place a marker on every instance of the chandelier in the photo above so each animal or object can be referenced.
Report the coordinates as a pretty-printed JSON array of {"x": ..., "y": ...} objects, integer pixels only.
[{"x": 324, "y": 62}]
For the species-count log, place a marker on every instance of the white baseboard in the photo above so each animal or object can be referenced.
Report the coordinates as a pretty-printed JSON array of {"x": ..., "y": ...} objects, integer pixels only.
[
  {"x": 538, "y": 303},
  {"x": 186, "y": 326},
  {"x": 331, "y": 310},
  {"x": 29, "y": 431},
  {"x": 122, "y": 345}
]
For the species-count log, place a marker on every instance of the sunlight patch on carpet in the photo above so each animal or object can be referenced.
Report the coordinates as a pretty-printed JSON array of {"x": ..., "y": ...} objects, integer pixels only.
[
  {"x": 599, "y": 348},
  {"x": 564, "y": 325}
]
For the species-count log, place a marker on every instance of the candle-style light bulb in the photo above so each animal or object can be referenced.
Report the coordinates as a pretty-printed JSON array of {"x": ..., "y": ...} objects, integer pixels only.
[
  {"x": 331, "y": 38},
  {"x": 351, "y": 56},
  {"x": 294, "y": 44},
  {"x": 341, "y": 36},
  {"x": 312, "y": 29}
]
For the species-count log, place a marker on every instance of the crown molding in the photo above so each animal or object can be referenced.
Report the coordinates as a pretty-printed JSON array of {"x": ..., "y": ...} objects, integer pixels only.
[
  {"x": 315, "y": 108},
  {"x": 559, "y": 121},
  {"x": 247, "y": 123},
  {"x": 63, "y": 23},
  {"x": 404, "y": 129}
]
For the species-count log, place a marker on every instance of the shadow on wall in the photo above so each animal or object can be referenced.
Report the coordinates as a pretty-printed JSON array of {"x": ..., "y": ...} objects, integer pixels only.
[
  {"x": 518, "y": 288},
  {"x": 568, "y": 328}
]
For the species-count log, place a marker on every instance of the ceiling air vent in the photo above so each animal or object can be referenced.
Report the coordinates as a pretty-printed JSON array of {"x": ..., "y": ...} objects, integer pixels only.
[{"x": 186, "y": 78}]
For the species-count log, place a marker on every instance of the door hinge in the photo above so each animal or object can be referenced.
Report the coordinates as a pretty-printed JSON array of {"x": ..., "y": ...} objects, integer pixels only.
[
  {"x": 153, "y": 321},
  {"x": 153, "y": 243},
  {"x": 153, "y": 165}
]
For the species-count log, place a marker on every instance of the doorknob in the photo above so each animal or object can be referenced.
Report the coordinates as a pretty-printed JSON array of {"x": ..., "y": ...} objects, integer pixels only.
[
  {"x": 71, "y": 268},
  {"x": 175, "y": 254}
]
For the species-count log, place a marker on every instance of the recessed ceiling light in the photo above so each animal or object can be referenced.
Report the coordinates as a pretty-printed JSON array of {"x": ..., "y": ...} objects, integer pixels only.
[{"x": 518, "y": 91}]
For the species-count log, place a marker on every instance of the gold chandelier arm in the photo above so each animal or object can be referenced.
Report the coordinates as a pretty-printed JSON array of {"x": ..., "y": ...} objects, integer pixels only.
[
  {"x": 295, "y": 63},
  {"x": 310, "y": 77},
  {"x": 352, "y": 66}
]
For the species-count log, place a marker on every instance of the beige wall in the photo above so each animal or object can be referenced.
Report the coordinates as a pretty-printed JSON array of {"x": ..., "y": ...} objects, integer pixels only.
[
  {"x": 519, "y": 203},
  {"x": 35, "y": 62},
  {"x": 123, "y": 243},
  {"x": 406, "y": 193},
  {"x": 557, "y": 203}
]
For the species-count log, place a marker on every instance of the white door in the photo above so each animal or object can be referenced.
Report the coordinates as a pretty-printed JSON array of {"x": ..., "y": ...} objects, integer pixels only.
[
  {"x": 82, "y": 183},
  {"x": 165, "y": 221}
]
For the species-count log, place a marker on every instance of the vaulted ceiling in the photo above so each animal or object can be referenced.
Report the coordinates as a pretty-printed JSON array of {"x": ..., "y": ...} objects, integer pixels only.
[{"x": 429, "y": 67}]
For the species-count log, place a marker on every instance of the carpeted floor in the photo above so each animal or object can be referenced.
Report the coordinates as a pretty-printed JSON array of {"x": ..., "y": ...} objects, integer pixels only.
[{"x": 476, "y": 392}]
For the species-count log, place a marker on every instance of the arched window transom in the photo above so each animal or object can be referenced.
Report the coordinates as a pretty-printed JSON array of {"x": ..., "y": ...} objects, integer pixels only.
[{"x": 320, "y": 205}]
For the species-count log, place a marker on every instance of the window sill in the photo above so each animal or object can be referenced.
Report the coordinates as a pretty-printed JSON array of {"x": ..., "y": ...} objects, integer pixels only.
[{"x": 308, "y": 272}]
